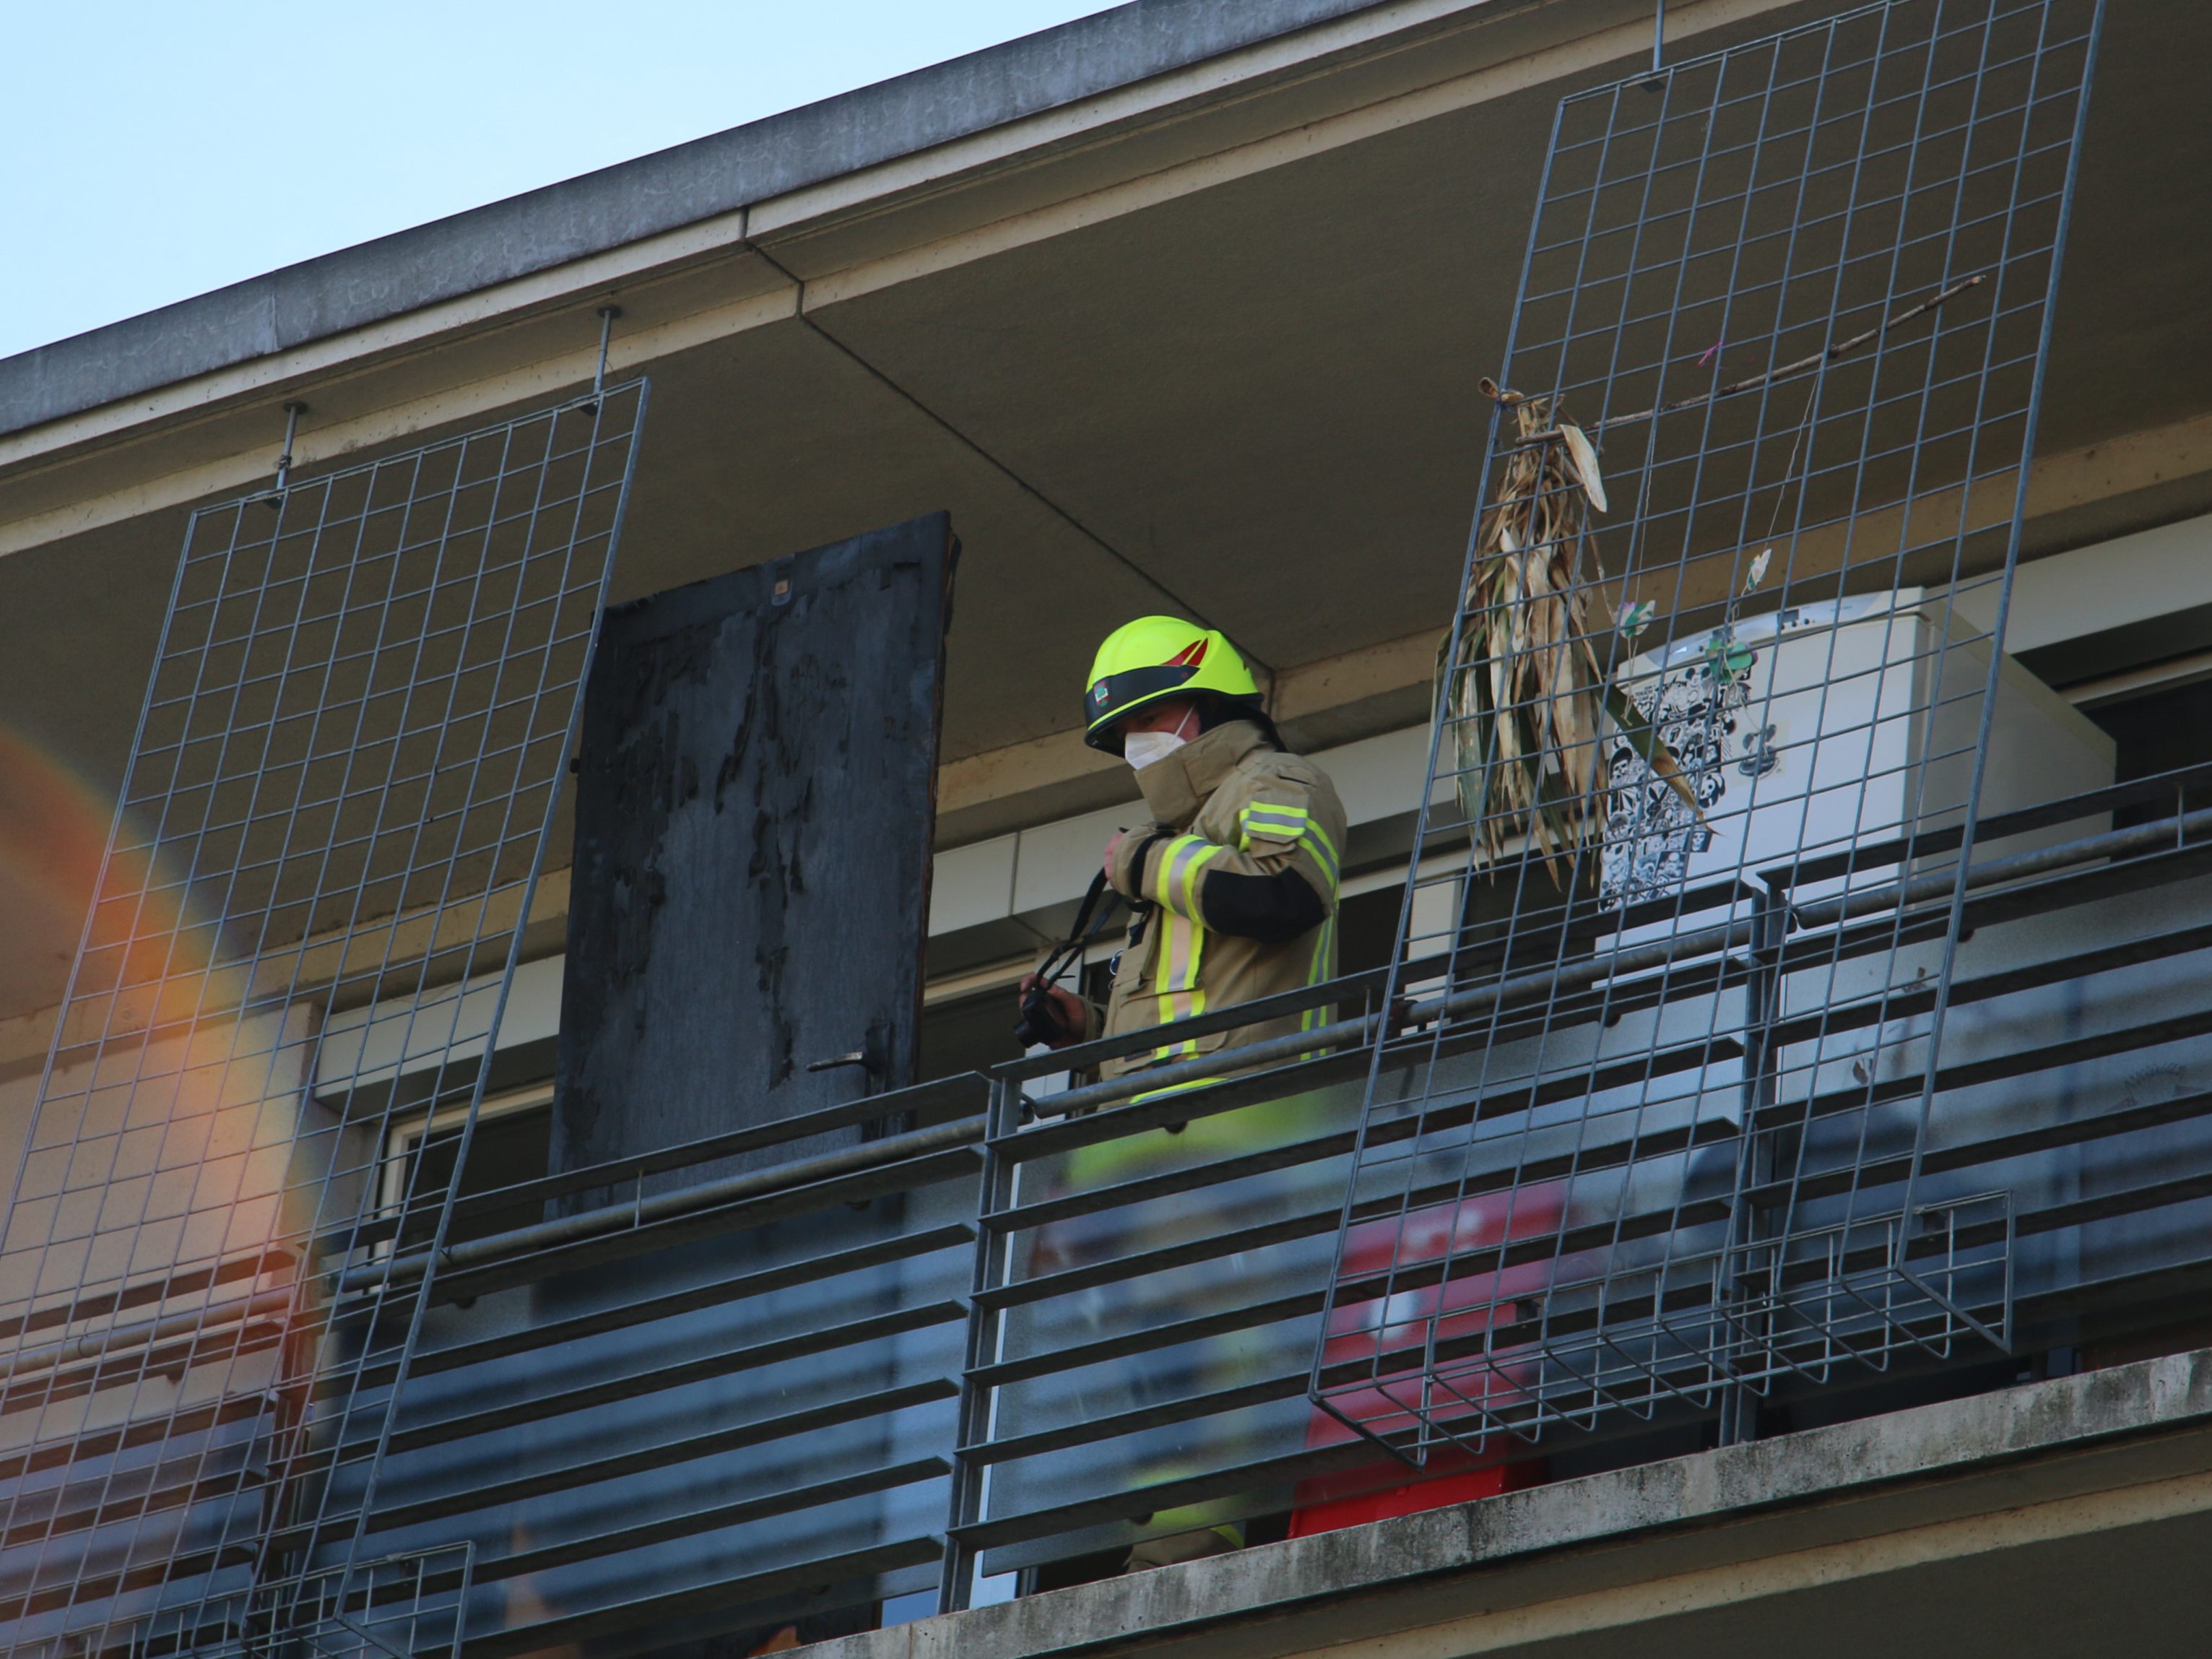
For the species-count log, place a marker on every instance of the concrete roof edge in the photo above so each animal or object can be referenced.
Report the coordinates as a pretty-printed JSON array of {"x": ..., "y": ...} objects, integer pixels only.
[{"x": 667, "y": 189}]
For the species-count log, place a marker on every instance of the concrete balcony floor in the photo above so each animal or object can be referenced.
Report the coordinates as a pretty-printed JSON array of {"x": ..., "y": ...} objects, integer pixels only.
[{"x": 2066, "y": 1516}]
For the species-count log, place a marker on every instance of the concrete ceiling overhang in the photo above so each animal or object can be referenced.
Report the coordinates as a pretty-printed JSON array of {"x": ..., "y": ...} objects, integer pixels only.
[
  {"x": 1167, "y": 308},
  {"x": 1208, "y": 341}
]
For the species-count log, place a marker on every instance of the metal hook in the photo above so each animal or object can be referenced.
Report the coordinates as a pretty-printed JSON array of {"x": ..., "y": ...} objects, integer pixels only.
[
  {"x": 1658, "y": 47},
  {"x": 292, "y": 413},
  {"x": 607, "y": 315}
]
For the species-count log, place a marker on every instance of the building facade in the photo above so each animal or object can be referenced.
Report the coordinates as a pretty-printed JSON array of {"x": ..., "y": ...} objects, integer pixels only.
[{"x": 1785, "y": 1224}]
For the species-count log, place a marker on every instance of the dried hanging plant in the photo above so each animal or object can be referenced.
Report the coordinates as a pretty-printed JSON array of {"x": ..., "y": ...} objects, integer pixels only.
[{"x": 1526, "y": 699}]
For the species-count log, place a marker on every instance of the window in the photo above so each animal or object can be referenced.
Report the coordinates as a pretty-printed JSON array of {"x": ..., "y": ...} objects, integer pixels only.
[
  {"x": 513, "y": 1144},
  {"x": 2164, "y": 729}
]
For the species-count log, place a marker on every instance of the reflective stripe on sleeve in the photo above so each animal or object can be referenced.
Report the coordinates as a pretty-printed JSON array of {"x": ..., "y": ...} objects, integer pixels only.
[{"x": 1272, "y": 821}]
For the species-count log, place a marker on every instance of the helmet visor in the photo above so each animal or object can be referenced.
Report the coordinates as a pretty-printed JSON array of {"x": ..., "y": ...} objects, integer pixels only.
[{"x": 1120, "y": 694}]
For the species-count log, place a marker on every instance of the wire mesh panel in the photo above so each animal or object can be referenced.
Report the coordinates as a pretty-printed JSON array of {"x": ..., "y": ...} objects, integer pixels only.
[
  {"x": 693, "y": 1417},
  {"x": 338, "y": 799},
  {"x": 1721, "y": 706}
]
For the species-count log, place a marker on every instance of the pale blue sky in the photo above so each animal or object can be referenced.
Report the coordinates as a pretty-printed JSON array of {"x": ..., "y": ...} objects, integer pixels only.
[{"x": 157, "y": 148}]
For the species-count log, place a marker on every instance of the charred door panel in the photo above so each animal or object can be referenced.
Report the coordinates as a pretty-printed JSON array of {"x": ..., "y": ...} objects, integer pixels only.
[{"x": 754, "y": 813}]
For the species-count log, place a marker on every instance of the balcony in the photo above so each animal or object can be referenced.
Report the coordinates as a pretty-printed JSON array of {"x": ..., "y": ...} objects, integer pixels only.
[
  {"x": 1683, "y": 1193},
  {"x": 996, "y": 1349}
]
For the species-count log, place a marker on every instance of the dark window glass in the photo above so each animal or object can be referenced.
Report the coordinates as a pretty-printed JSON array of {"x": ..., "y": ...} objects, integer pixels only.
[
  {"x": 1367, "y": 929},
  {"x": 512, "y": 1147},
  {"x": 2157, "y": 733},
  {"x": 968, "y": 1034}
]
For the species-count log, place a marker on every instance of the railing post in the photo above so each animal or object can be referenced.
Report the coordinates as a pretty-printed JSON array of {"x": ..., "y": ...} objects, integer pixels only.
[
  {"x": 972, "y": 1432},
  {"x": 1755, "y": 1164}
]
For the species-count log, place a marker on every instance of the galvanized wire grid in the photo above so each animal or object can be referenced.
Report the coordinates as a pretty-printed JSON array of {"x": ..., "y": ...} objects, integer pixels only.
[
  {"x": 1724, "y": 680},
  {"x": 336, "y": 807}
]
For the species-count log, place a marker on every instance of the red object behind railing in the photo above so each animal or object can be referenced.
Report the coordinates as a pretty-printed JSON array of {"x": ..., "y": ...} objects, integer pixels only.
[{"x": 1468, "y": 1306}]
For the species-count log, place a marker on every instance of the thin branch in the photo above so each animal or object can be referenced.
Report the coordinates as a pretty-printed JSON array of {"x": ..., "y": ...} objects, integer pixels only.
[{"x": 1803, "y": 365}]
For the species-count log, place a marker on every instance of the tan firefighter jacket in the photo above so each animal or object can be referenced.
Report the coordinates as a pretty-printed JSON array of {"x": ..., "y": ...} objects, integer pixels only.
[{"x": 1239, "y": 877}]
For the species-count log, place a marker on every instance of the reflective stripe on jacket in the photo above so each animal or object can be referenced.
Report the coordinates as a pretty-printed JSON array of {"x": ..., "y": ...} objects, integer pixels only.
[{"x": 1241, "y": 876}]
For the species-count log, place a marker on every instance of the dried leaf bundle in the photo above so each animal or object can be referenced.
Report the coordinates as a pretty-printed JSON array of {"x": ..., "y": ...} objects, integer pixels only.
[{"x": 1527, "y": 702}]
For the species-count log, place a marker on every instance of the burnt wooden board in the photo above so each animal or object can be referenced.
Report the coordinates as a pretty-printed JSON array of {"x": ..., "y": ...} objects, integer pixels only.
[{"x": 755, "y": 793}]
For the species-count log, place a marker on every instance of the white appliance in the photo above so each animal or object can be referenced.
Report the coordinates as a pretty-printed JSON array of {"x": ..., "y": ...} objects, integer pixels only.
[{"x": 1814, "y": 728}]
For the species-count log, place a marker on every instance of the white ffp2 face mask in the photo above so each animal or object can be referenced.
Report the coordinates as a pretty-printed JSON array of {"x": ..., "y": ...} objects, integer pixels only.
[{"x": 1141, "y": 748}]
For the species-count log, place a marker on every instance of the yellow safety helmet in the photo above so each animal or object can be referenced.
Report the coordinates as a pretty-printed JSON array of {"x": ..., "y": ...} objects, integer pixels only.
[{"x": 1156, "y": 656}]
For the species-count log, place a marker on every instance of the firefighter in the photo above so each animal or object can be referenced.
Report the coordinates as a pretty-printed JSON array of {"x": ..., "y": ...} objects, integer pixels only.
[
  {"x": 1233, "y": 888},
  {"x": 1233, "y": 894}
]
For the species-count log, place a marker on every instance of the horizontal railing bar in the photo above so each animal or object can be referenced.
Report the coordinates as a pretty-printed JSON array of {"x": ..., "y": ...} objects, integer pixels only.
[
  {"x": 1138, "y": 1503},
  {"x": 1607, "y": 1006},
  {"x": 1348, "y": 987},
  {"x": 1087, "y": 1430},
  {"x": 1228, "y": 1094},
  {"x": 2019, "y": 821},
  {"x": 116, "y": 1338},
  {"x": 800, "y": 1127},
  {"x": 536, "y": 1484},
  {"x": 1197, "y": 1177},
  {"x": 1338, "y": 1034},
  {"x": 1118, "y": 1122},
  {"x": 376, "y": 1230},
  {"x": 1804, "y": 953},
  {"x": 1566, "y": 1241},
  {"x": 1114, "y": 1122},
  {"x": 1609, "y": 1073},
  {"x": 1994, "y": 1149},
  {"x": 1642, "y": 1145},
  {"x": 1120, "y": 1345},
  {"x": 1659, "y": 955},
  {"x": 713, "y": 1220},
  {"x": 1143, "y": 1264},
  {"x": 625, "y": 1539},
  {"x": 75, "y": 1592},
  {"x": 1995, "y": 1068},
  {"x": 1228, "y": 1399},
  {"x": 1888, "y": 1004},
  {"x": 750, "y": 1357},
  {"x": 137, "y": 1293},
  {"x": 554, "y": 1634},
  {"x": 2144, "y": 838},
  {"x": 1086, "y": 1055},
  {"x": 191, "y": 1351},
  {"x": 1807, "y": 953},
  {"x": 2128, "y": 1200},
  {"x": 1522, "y": 1340},
  {"x": 2161, "y": 867},
  {"x": 819, "y": 1175},
  {"x": 1246, "y": 1057},
  {"x": 2179, "y": 1290},
  {"x": 1269, "y": 1312},
  {"x": 645, "y": 1309},
  {"x": 41, "y": 1455},
  {"x": 155, "y": 1500}
]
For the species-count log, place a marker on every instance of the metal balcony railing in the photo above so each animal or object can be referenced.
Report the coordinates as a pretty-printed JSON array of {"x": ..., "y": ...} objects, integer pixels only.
[{"x": 1037, "y": 1329}]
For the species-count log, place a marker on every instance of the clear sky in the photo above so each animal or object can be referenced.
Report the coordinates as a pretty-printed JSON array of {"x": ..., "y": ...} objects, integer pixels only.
[{"x": 157, "y": 148}]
